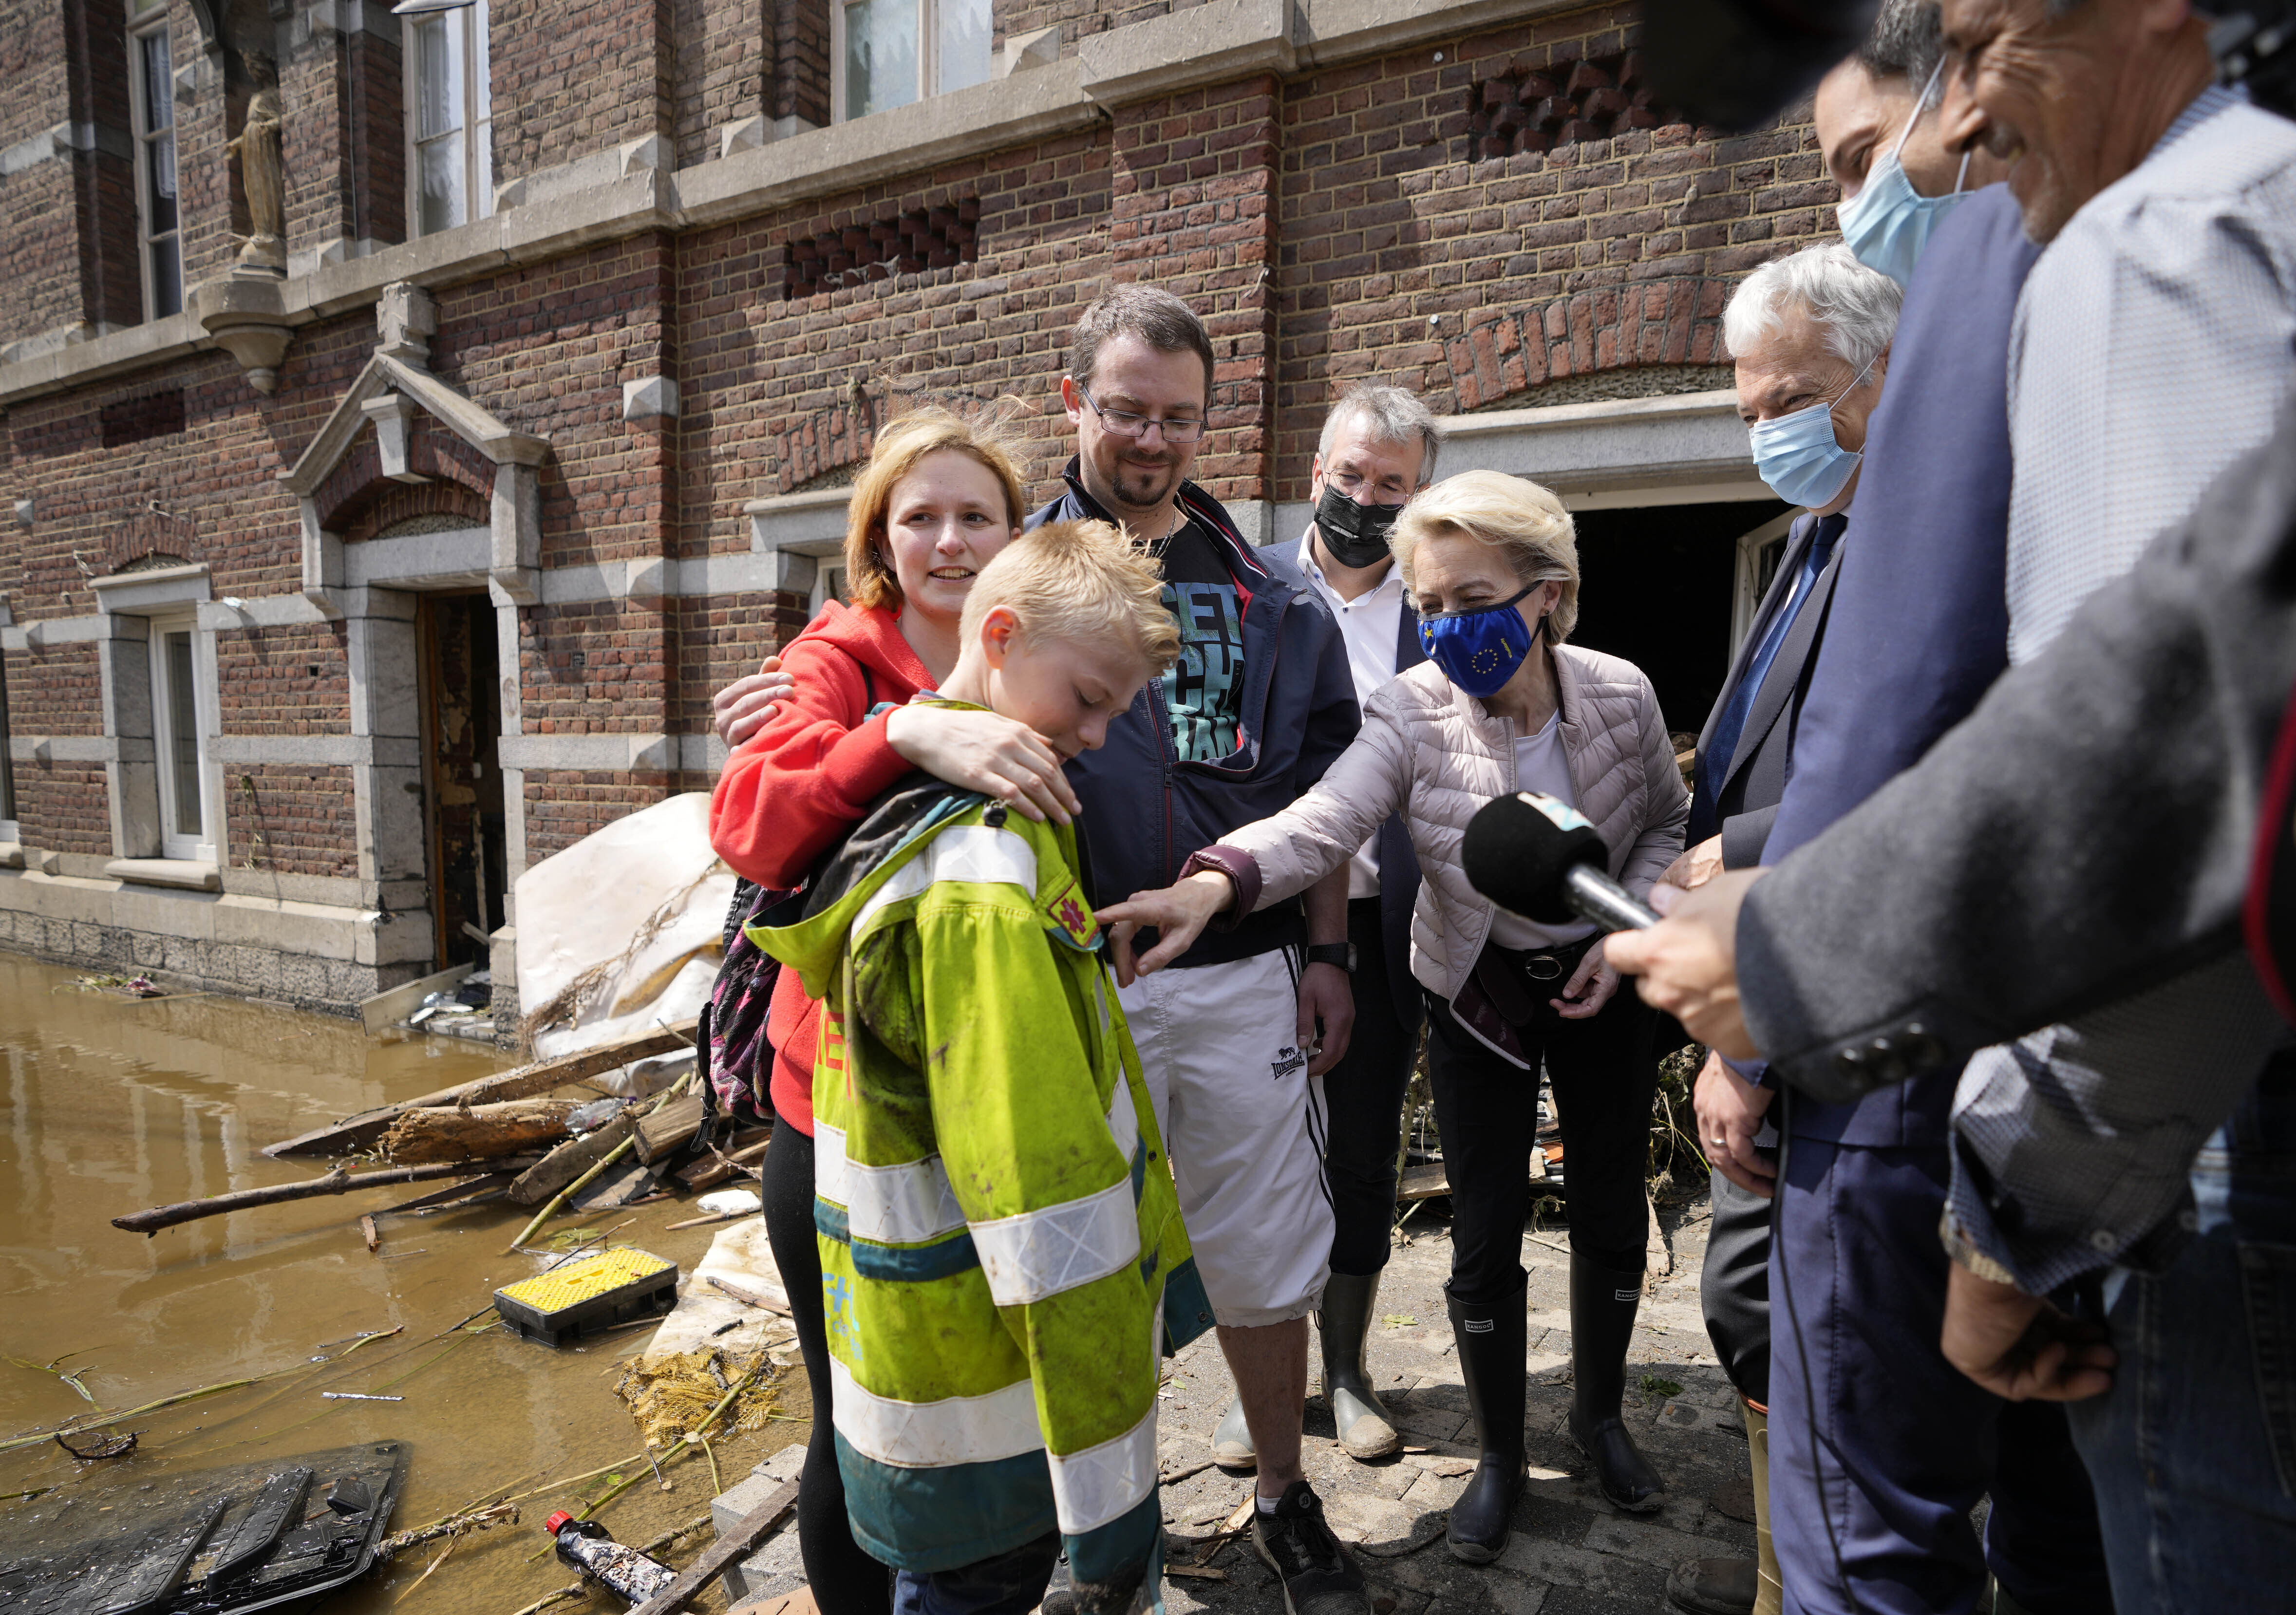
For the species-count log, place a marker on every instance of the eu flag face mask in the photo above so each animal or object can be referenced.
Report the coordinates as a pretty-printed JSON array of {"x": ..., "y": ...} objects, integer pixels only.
[
  {"x": 1479, "y": 650},
  {"x": 1798, "y": 456},
  {"x": 1887, "y": 224}
]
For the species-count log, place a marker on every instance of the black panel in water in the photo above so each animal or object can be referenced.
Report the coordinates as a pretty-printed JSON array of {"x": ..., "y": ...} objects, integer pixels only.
[
  {"x": 201, "y": 1542},
  {"x": 1656, "y": 586}
]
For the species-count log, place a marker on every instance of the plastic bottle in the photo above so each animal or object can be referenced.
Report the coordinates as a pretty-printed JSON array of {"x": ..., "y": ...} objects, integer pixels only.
[{"x": 625, "y": 1571}]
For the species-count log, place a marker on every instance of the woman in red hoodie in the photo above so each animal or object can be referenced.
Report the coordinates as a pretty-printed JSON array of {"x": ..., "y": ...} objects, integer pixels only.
[{"x": 939, "y": 496}]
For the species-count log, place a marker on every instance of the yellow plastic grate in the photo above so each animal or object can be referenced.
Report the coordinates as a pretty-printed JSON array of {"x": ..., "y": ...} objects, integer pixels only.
[{"x": 586, "y": 1280}]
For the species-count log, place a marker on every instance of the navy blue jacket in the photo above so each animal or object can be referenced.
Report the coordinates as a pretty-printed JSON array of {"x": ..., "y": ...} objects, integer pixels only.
[
  {"x": 1920, "y": 625},
  {"x": 1745, "y": 802},
  {"x": 1145, "y": 811}
]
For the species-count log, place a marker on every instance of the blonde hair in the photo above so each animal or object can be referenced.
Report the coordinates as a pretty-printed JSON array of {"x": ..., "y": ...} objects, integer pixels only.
[
  {"x": 900, "y": 447},
  {"x": 1522, "y": 520},
  {"x": 1081, "y": 581}
]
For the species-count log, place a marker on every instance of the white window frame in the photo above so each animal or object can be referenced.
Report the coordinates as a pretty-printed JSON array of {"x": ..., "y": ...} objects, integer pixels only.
[
  {"x": 198, "y": 844},
  {"x": 141, "y": 26},
  {"x": 929, "y": 65},
  {"x": 1749, "y": 592},
  {"x": 477, "y": 94}
]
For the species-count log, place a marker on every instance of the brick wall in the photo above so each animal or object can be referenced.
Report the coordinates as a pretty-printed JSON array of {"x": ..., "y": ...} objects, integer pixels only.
[
  {"x": 67, "y": 239},
  {"x": 800, "y": 61},
  {"x": 291, "y": 819},
  {"x": 574, "y": 77},
  {"x": 1392, "y": 219},
  {"x": 724, "y": 66},
  {"x": 344, "y": 139},
  {"x": 1078, "y": 19},
  {"x": 1195, "y": 179}
]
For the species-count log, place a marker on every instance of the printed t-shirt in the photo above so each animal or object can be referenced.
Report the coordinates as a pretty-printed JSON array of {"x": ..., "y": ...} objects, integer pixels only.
[{"x": 1203, "y": 690}]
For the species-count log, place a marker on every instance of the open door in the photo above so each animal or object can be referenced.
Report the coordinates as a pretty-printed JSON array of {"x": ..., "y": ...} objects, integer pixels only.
[{"x": 462, "y": 773}]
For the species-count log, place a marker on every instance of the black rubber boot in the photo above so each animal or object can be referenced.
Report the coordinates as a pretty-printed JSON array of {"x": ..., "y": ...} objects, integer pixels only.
[
  {"x": 1490, "y": 1341},
  {"x": 1343, "y": 1323},
  {"x": 1603, "y": 1302}
]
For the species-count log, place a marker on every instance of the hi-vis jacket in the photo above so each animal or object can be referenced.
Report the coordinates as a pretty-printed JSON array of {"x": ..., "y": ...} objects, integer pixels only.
[{"x": 998, "y": 1228}]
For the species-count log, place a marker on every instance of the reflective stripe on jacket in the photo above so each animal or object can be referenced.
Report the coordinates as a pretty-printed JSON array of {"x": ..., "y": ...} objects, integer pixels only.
[{"x": 998, "y": 1226}]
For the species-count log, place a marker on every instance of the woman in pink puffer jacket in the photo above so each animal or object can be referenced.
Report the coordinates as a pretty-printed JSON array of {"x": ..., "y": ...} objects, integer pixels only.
[{"x": 1504, "y": 705}]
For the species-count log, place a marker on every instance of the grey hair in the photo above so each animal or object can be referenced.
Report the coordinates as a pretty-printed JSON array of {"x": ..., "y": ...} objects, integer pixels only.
[
  {"x": 1150, "y": 313},
  {"x": 1906, "y": 41},
  {"x": 1856, "y": 308},
  {"x": 1393, "y": 416}
]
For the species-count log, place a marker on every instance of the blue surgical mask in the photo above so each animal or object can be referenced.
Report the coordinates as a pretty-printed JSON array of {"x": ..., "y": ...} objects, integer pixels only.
[
  {"x": 1889, "y": 223},
  {"x": 1479, "y": 650},
  {"x": 1798, "y": 456}
]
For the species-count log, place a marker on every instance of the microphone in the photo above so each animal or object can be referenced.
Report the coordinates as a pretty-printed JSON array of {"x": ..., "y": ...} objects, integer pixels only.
[{"x": 1538, "y": 856}]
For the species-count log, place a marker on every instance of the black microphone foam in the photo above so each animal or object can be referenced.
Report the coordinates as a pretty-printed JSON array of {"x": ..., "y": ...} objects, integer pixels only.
[{"x": 1518, "y": 849}]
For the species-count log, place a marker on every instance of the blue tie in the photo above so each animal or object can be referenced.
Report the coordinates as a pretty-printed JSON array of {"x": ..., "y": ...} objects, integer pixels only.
[{"x": 1705, "y": 814}]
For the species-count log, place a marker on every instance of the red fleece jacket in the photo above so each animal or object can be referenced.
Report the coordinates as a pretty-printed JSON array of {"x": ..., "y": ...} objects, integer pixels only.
[{"x": 795, "y": 787}]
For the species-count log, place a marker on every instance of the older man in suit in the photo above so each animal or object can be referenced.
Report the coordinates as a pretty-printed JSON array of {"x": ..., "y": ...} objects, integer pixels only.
[{"x": 1810, "y": 335}]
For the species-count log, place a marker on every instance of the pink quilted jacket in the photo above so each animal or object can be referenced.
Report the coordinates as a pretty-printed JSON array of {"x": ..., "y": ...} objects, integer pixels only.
[{"x": 1431, "y": 749}]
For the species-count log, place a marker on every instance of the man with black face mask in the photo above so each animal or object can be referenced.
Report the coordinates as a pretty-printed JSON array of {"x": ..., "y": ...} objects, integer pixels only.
[{"x": 1378, "y": 448}]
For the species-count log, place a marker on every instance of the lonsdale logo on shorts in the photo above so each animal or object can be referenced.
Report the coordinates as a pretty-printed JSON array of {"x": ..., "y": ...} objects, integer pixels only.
[{"x": 1286, "y": 1061}]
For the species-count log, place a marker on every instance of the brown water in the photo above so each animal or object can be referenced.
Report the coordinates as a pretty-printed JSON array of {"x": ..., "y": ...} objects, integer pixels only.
[{"x": 113, "y": 1104}]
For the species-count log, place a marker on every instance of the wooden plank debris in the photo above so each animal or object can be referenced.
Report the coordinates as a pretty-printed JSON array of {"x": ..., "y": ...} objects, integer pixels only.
[
  {"x": 739, "y": 1543},
  {"x": 337, "y": 1181},
  {"x": 357, "y": 1132}
]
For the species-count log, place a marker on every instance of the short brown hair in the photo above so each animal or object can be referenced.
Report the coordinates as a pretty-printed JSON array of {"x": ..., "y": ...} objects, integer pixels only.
[
  {"x": 930, "y": 430},
  {"x": 1150, "y": 313},
  {"x": 1083, "y": 581}
]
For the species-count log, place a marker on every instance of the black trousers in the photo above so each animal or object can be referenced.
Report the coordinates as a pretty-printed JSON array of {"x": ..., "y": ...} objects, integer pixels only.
[
  {"x": 1603, "y": 1078},
  {"x": 1363, "y": 1098},
  {"x": 845, "y": 1579},
  {"x": 1733, "y": 1290}
]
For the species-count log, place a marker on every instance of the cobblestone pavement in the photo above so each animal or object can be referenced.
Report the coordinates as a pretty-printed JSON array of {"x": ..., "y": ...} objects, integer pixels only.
[{"x": 1571, "y": 1554}]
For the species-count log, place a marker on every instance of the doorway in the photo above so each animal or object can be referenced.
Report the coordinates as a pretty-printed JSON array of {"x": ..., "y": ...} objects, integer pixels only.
[
  {"x": 1659, "y": 585},
  {"x": 462, "y": 775}
]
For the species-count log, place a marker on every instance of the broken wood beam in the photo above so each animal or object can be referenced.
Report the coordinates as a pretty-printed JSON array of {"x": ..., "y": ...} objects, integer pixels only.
[
  {"x": 719, "y": 1165},
  {"x": 571, "y": 1159},
  {"x": 480, "y": 1132},
  {"x": 337, "y": 1181},
  {"x": 453, "y": 1191},
  {"x": 357, "y": 1132},
  {"x": 739, "y": 1543},
  {"x": 670, "y": 1129}
]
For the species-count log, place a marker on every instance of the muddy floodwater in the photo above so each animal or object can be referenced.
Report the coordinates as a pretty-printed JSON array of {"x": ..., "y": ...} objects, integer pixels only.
[{"x": 113, "y": 1104}]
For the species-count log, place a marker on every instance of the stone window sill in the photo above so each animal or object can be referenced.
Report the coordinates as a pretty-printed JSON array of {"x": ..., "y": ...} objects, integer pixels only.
[{"x": 187, "y": 874}]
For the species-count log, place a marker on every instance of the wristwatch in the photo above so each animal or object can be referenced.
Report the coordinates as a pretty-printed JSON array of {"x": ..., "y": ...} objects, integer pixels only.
[{"x": 1342, "y": 954}]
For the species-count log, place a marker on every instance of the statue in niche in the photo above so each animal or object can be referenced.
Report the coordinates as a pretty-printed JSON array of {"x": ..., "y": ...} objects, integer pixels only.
[{"x": 262, "y": 175}]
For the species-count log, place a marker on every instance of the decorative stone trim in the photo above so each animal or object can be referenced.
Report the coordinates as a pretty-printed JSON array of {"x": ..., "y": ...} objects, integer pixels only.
[{"x": 183, "y": 874}]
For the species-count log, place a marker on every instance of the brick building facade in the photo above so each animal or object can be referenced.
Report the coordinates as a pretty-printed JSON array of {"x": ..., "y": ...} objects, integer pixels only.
[{"x": 342, "y": 584}]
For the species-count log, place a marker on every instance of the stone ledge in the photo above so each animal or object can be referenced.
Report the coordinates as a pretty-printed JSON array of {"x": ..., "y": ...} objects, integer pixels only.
[{"x": 189, "y": 874}]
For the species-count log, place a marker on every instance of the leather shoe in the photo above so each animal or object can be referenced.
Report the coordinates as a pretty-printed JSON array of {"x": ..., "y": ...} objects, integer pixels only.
[{"x": 1714, "y": 1586}]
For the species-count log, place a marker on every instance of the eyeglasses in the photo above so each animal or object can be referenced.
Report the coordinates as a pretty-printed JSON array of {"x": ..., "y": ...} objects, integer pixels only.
[
  {"x": 1390, "y": 489},
  {"x": 1124, "y": 423}
]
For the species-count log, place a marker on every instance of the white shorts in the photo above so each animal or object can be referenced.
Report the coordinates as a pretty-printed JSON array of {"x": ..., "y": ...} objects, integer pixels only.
[{"x": 1244, "y": 1124}]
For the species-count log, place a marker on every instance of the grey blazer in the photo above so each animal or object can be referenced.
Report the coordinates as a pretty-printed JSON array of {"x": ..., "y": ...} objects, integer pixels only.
[{"x": 2087, "y": 834}]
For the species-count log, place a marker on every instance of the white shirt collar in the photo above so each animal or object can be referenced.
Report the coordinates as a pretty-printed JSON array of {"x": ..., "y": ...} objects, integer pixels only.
[{"x": 1394, "y": 577}]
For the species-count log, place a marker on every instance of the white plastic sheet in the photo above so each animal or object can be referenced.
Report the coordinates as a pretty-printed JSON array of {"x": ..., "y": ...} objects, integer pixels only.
[{"x": 621, "y": 931}]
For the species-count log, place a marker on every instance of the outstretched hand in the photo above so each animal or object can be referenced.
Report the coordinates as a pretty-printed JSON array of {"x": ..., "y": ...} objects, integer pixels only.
[
  {"x": 1179, "y": 913},
  {"x": 1689, "y": 962},
  {"x": 2018, "y": 1346}
]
